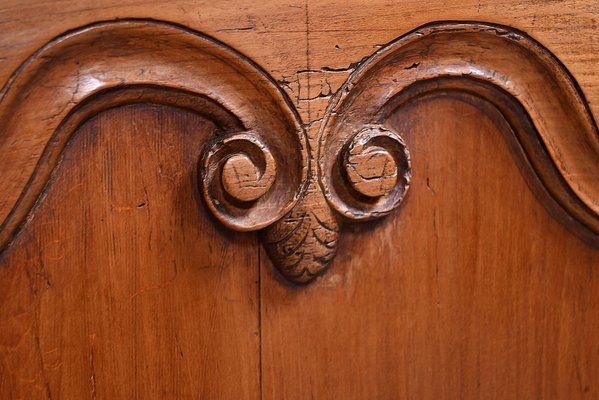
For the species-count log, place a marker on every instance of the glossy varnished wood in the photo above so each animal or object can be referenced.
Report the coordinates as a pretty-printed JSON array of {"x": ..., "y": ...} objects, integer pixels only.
[
  {"x": 541, "y": 85},
  {"x": 122, "y": 285},
  {"x": 79, "y": 66},
  {"x": 363, "y": 167}
]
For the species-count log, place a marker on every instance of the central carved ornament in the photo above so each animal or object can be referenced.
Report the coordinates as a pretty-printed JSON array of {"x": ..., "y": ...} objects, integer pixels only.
[{"x": 259, "y": 172}]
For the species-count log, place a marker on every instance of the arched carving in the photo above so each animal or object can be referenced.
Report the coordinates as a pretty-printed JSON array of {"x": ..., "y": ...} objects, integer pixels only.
[
  {"x": 83, "y": 72},
  {"x": 236, "y": 171},
  {"x": 555, "y": 133},
  {"x": 555, "y": 137},
  {"x": 256, "y": 174}
]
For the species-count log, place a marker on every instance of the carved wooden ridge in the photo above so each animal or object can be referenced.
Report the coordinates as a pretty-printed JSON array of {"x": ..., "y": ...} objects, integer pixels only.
[{"x": 259, "y": 173}]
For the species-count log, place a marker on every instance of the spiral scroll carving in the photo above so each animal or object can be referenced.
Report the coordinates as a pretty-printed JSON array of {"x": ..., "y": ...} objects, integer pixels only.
[
  {"x": 236, "y": 171},
  {"x": 376, "y": 164},
  {"x": 260, "y": 172}
]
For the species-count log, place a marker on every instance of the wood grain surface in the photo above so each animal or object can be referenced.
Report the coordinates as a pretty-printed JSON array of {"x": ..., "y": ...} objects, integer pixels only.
[
  {"x": 83, "y": 66},
  {"x": 311, "y": 46},
  {"x": 121, "y": 286},
  {"x": 470, "y": 291},
  {"x": 313, "y": 40},
  {"x": 119, "y": 280}
]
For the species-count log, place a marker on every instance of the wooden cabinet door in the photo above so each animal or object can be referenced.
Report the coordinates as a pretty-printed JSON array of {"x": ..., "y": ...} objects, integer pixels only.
[
  {"x": 119, "y": 277},
  {"x": 117, "y": 281},
  {"x": 285, "y": 200}
]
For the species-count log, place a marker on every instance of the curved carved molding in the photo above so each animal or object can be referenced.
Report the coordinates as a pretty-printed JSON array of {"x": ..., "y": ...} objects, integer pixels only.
[
  {"x": 255, "y": 174},
  {"x": 236, "y": 171},
  {"x": 555, "y": 132},
  {"x": 104, "y": 65},
  {"x": 372, "y": 171},
  {"x": 364, "y": 167}
]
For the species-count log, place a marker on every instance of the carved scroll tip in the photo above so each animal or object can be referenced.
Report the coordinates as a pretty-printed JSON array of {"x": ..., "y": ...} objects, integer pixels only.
[
  {"x": 372, "y": 172},
  {"x": 242, "y": 179}
]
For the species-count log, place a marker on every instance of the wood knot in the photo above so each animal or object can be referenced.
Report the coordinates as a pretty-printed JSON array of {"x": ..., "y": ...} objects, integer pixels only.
[{"x": 242, "y": 179}]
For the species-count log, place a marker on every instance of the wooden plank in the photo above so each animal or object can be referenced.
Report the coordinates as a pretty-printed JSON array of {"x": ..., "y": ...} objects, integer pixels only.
[
  {"x": 469, "y": 290},
  {"x": 121, "y": 284}
]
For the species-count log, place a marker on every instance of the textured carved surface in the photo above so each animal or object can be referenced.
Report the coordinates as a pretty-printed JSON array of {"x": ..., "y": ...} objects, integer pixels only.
[
  {"x": 471, "y": 291},
  {"x": 243, "y": 180},
  {"x": 377, "y": 164},
  {"x": 108, "y": 64},
  {"x": 555, "y": 134},
  {"x": 364, "y": 168},
  {"x": 236, "y": 170},
  {"x": 468, "y": 291},
  {"x": 303, "y": 242},
  {"x": 253, "y": 174},
  {"x": 372, "y": 172},
  {"x": 37, "y": 120}
]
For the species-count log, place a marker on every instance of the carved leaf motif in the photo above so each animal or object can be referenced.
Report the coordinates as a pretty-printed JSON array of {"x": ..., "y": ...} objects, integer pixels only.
[{"x": 302, "y": 243}]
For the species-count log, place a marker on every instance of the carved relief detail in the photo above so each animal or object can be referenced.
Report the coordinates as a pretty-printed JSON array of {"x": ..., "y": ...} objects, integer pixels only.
[
  {"x": 304, "y": 242},
  {"x": 136, "y": 61},
  {"x": 258, "y": 172},
  {"x": 371, "y": 170},
  {"x": 363, "y": 167},
  {"x": 375, "y": 163},
  {"x": 236, "y": 171}
]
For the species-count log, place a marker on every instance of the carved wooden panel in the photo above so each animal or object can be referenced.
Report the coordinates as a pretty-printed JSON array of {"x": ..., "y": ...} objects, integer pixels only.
[
  {"x": 471, "y": 289},
  {"x": 134, "y": 149},
  {"x": 363, "y": 168},
  {"x": 149, "y": 298},
  {"x": 108, "y": 225}
]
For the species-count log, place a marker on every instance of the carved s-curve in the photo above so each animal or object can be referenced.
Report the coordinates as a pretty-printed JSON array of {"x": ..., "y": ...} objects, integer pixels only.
[
  {"x": 72, "y": 78},
  {"x": 256, "y": 173},
  {"x": 237, "y": 173},
  {"x": 554, "y": 127}
]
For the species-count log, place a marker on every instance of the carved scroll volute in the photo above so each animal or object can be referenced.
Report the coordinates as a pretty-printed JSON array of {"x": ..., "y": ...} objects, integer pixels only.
[
  {"x": 364, "y": 167},
  {"x": 251, "y": 173},
  {"x": 237, "y": 173},
  {"x": 255, "y": 174},
  {"x": 370, "y": 173},
  {"x": 373, "y": 168}
]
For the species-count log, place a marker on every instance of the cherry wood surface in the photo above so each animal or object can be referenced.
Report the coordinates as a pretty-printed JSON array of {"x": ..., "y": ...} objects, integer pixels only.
[
  {"x": 454, "y": 256},
  {"x": 121, "y": 285},
  {"x": 472, "y": 290}
]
